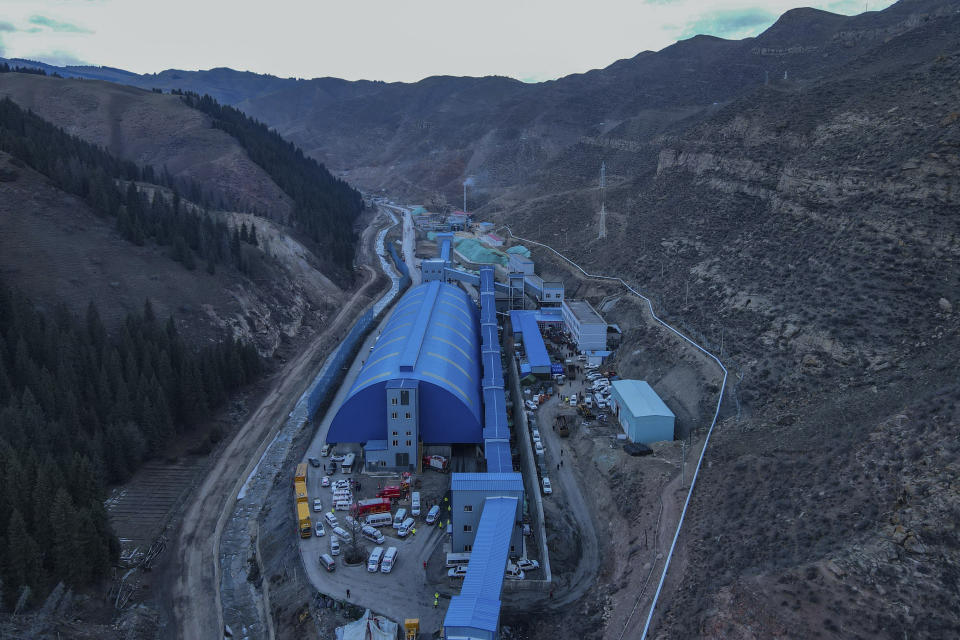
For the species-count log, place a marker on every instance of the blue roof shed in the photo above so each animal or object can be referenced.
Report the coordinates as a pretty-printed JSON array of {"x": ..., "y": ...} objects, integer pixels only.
[{"x": 642, "y": 415}]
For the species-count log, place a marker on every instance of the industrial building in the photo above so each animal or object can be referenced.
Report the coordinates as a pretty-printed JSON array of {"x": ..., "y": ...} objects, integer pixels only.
[
  {"x": 642, "y": 415},
  {"x": 585, "y": 325},
  {"x": 420, "y": 383},
  {"x": 471, "y": 491},
  {"x": 526, "y": 328}
]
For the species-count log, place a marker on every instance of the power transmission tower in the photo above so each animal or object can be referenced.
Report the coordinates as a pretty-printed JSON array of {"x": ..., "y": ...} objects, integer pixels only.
[{"x": 603, "y": 207}]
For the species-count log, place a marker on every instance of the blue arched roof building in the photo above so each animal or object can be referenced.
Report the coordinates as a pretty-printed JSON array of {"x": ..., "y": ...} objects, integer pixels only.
[{"x": 432, "y": 340}]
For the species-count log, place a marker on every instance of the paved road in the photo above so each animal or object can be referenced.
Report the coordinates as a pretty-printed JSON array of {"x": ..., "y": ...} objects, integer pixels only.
[
  {"x": 194, "y": 594},
  {"x": 409, "y": 248}
]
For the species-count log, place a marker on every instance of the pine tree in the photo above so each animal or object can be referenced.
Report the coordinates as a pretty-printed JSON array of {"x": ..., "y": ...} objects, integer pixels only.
[
  {"x": 253, "y": 235},
  {"x": 65, "y": 547},
  {"x": 24, "y": 566}
]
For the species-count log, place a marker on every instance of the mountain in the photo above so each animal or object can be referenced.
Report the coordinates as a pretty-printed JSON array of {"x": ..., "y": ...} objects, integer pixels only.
[
  {"x": 791, "y": 201},
  {"x": 425, "y": 138}
]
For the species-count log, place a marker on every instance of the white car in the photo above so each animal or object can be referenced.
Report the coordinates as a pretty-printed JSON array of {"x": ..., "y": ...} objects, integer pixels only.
[
  {"x": 351, "y": 522},
  {"x": 573, "y": 400},
  {"x": 433, "y": 513},
  {"x": 325, "y": 450},
  {"x": 320, "y": 530},
  {"x": 513, "y": 572},
  {"x": 342, "y": 485},
  {"x": 528, "y": 565},
  {"x": 317, "y": 504},
  {"x": 341, "y": 533},
  {"x": 331, "y": 519},
  {"x": 338, "y": 457},
  {"x": 325, "y": 481},
  {"x": 460, "y": 571},
  {"x": 547, "y": 488},
  {"x": 538, "y": 447},
  {"x": 536, "y": 434},
  {"x": 334, "y": 546}
]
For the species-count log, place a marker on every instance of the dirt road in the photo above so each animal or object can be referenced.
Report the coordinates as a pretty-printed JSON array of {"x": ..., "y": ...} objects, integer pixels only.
[{"x": 195, "y": 592}]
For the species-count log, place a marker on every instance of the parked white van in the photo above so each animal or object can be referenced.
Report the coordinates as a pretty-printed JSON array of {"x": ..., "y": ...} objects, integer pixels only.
[
  {"x": 389, "y": 559},
  {"x": 433, "y": 513},
  {"x": 371, "y": 534},
  {"x": 399, "y": 517},
  {"x": 406, "y": 527},
  {"x": 380, "y": 519},
  {"x": 415, "y": 503},
  {"x": 373, "y": 562}
]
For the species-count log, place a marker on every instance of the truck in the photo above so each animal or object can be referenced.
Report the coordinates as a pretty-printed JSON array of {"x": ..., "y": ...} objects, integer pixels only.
[
  {"x": 301, "y": 475},
  {"x": 437, "y": 463},
  {"x": 392, "y": 492},
  {"x": 303, "y": 519},
  {"x": 572, "y": 371},
  {"x": 300, "y": 491},
  {"x": 372, "y": 505}
]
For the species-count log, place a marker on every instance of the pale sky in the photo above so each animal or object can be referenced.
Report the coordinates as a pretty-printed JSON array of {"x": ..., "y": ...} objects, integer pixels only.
[{"x": 388, "y": 40}]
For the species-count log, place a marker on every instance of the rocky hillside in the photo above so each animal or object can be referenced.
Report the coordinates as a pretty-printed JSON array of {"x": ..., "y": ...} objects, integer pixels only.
[
  {"x": 811, "y": 227},
  {"x": 57, "y": 248}
]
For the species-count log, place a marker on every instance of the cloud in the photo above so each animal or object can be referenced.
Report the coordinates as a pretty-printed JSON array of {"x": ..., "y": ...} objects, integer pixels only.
[
  {"x": 6, "y": 26},
  {"x": 56, "y": 25},
  {"x": 730, "y": 23}
]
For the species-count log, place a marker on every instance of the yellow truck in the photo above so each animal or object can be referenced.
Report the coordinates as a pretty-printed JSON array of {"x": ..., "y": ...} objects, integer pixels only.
[
  {"x": 301, "y": 475},
  {"x": 300, "y": 491},
  {"x": 303, "y": 519}
]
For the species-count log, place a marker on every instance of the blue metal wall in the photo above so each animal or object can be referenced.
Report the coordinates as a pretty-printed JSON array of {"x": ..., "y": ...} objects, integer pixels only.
[{"x": 432, "y": 336}]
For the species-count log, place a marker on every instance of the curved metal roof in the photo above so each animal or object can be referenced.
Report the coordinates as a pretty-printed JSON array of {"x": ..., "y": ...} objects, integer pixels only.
[{"x": 432, "y": 336}]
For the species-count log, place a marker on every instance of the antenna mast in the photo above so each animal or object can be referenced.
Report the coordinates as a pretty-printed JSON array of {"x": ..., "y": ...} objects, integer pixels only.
[{"x": 603, "y": 207}]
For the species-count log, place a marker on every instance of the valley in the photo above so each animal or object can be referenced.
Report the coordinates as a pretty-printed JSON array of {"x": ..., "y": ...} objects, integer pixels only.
[{"x": 780, "y": 264}]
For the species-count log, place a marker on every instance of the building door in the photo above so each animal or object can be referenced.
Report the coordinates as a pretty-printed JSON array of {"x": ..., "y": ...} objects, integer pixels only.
[{"x": 403, "y": 459}]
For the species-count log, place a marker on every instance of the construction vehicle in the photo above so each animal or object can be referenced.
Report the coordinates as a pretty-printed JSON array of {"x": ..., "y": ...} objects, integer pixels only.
[
  {"x": 371, "y": 505},
  {"x": 411, "y": 628},
  {"x": 437, "y": 463},
  {"x": 562, "y": 429},
  {"x": 301, "y": 475}
]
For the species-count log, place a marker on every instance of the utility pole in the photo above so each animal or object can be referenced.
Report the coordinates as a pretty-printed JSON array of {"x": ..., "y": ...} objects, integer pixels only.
[{"x": 683, "y": 462}]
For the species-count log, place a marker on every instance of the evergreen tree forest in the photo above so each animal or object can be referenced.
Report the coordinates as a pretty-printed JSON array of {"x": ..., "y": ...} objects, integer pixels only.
[
  {"x": 80, "y": 410},
  {"x": 108, "y": 185},
  {"x": 325, "y": 207}
]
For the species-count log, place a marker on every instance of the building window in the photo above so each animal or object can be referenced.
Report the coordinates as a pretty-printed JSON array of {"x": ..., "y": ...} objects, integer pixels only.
[
  {"x": 467, "y": 528},
  {"x": 467, "y": 548},
  {"x": 408, "y": 415},
  {"x": 396, "y": 443},
  {"x": 409, "y": 433},
  {"x": 394, "y": 415},
  {"x": 404, "y": 397},
  {"x": 394, "y": 433},
  {"x": 512, "y": 549},
  {"x": 383, "y": 463},
  {"x": 408, "y": 443},
  {"x": 393, "y": 400},
  {"x": 468, "y": 508}
]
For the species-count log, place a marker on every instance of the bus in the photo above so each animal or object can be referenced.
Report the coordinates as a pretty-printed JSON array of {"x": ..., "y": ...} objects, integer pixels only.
[
  {"x": 347, "y": 465},
  {"x": 457, "y": 559}
]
